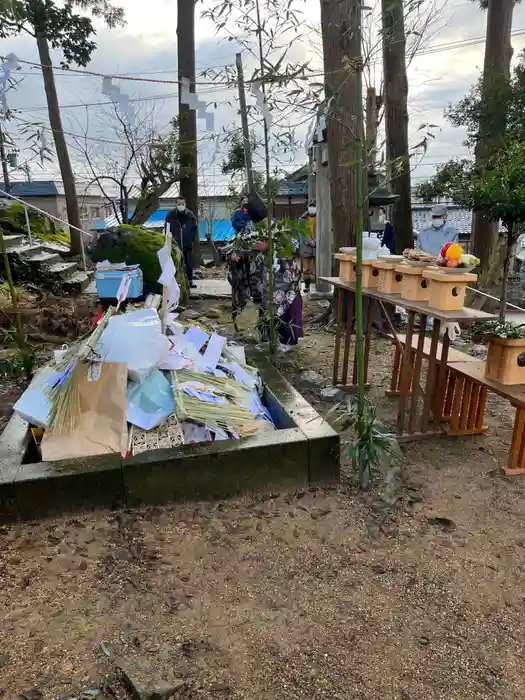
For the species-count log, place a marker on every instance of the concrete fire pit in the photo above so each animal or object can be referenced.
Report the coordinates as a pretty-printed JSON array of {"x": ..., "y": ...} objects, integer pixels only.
[{"x": 304, "y": 451}]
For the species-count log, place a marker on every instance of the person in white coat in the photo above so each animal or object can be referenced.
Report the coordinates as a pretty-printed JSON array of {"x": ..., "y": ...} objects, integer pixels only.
[{"x": 439, "y": 231}]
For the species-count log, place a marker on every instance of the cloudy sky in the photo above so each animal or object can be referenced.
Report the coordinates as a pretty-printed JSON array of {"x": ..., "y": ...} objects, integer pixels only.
[{"x": 146, "y": 47}]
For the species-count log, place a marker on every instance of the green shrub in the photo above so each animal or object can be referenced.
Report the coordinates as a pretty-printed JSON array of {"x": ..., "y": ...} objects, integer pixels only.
[{"x": 135, "y": 245}]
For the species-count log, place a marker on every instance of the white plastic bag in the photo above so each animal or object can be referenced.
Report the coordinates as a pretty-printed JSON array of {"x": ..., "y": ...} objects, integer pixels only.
[
  {"x": 150, "y": 403},
  {"x": 454, "y": 331},
  {"x": 34, "y": 406},
  {"x": 136, "y": 339}
]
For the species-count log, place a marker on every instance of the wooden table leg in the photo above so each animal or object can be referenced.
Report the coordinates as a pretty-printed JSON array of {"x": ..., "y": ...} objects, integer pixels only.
[
  {"x": 350, "y": 316},
  {"x": 431, "y": 376},
  {"x": 337, "y": 349},
  {"x": 439, "y": 394},
  {"x": 449, "y": 396},
  {"x": 394, "y": 382},
  {"x": 368, "y": 337},
  {"x": 406, "y": 371},
  {"x": 455, "y": 411},
  {"x": 412, "y": 415},
  {"x": 517, "y": 449},
  {"x": 467, "y": 409}
]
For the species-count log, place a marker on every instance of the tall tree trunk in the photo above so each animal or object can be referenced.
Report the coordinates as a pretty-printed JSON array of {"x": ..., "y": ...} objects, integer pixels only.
[
  {"x": 66, "y": 171},
  {"x": 396, "y": 116},
  {"x": 189, "y": 188},
  {"x": 496, "y": 71},
  {"x": 344, "y": 113}
]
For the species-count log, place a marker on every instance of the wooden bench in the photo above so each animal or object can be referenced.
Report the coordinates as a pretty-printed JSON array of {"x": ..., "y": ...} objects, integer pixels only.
[
  {"x": 455, "y": 356},
  {"x": 469, "y": 389},
  {"x": 465, "y": 399}
]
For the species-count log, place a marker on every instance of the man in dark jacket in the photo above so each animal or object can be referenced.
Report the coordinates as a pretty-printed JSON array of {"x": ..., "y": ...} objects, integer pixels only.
[
  {"x": 240, "y": 216},
  {"x": 184, "y": 229}
]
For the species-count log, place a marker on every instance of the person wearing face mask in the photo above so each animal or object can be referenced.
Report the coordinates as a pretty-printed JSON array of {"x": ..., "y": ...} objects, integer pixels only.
[
  {"x": 184, "y": 229},
  {"x": 434, "y": 236},
  {"x": 240, "y": 217},
  {"x": 307, "y": 246}
]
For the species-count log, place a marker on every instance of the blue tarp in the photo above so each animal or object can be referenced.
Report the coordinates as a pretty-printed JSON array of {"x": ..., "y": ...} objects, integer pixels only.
[{"x": 221, "y": 228}]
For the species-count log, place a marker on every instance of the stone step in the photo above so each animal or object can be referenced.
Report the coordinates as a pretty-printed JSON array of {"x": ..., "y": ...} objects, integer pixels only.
[
  {"x": 55, "y": 247},
  {"x": 63, "y": 270},
  {"x": 78, "y": 282},
  {"x": 45, "y": 258},
  {"x": 26, "y": 251},
  {"x": 13, "y": 241}
]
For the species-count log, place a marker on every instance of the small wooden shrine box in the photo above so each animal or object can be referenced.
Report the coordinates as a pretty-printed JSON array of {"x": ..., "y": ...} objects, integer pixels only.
[
  {"x": 388, "y": 280},
  {"x": 505, "y": 361},
  {"x": 413, "y": 286},
  {"x": 370, "y": 274},
  {"x": 346, "y": 267},
  {"x": 447, "y": 290}
]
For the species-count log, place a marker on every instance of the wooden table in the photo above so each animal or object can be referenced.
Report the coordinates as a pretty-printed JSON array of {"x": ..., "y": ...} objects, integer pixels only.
[
  {"x": 470, "y": 390},
  {"x": 419, "y": 410}
]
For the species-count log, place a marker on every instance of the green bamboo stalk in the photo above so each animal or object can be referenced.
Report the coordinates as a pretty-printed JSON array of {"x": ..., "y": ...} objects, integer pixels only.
[
  {"x": 359, "y": 339},
  {"x": 269, "y": 253}
]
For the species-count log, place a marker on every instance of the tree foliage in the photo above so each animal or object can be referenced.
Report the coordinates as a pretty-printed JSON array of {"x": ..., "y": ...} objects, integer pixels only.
[
  {"x": 468, "y": 113},
  {"x": 444, "y": 183},
  {"x": 496, "y": 190},
  {"x": 234, "y": 165},
  {"x": 151, "y": 159},
  {"x": 65, "y": 26}
]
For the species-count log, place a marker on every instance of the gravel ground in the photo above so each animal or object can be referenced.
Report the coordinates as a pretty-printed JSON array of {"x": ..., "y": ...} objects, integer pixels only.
[{"x": 285, "y": 596}]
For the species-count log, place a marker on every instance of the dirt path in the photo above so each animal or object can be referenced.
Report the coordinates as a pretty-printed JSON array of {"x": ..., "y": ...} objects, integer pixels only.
[{"x": 285, "y": 596}]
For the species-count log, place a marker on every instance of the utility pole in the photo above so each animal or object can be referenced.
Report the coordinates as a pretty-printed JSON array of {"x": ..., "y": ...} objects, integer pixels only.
[
  {"x": 244, "y": 122},
  {"x": 3, "y": 158},
  {"x": 189, "y": 188}
]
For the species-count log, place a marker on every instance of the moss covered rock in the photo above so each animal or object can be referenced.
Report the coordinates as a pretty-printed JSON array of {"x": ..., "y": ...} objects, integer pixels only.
[
  {"x": 13, "y": 221},
  {"x": 135, "y": 245}
]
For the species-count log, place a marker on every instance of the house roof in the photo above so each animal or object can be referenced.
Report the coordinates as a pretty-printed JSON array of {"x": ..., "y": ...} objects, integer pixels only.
[
  {"x": 39, "y": 188},
  {"x": 221, "y": 228}
]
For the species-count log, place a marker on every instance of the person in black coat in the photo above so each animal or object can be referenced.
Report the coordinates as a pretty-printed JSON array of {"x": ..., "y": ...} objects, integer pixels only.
[
  {"x": 184, "y": 229},
  {"x": 389, "y": 233}
]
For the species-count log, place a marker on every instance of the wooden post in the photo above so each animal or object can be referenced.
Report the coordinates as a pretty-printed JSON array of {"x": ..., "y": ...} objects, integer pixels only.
[
  {"x": 244, "y": 122},
  {"x": 164, "y": 305},
  {"x": 323, "y": 226}
]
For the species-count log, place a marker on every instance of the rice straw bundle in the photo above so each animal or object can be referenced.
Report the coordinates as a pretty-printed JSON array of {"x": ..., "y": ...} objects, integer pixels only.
[
  {"x": 65, "y": 401},
  {"x": 233, "y": 416}
]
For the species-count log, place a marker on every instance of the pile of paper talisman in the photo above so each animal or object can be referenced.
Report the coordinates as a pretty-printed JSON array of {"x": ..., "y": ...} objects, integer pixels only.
[{"x": 144, "y": 380}]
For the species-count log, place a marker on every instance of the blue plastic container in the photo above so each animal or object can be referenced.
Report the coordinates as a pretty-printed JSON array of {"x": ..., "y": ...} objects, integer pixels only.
[{"x": 108, "y": 282}]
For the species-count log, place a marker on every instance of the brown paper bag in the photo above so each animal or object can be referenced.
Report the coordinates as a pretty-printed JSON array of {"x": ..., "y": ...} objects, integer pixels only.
[{"x": 101, "y": 427}]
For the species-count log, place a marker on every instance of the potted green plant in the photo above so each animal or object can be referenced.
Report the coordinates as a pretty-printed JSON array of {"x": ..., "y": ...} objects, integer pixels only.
[{"x": 506, "y": 351}]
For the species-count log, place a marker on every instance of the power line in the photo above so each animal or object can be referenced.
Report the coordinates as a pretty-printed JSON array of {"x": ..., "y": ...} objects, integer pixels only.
[
  {"x": 448, "y": 46},
  {"x": 85, "y": 136},
  {"x": 164, "y": 96}
]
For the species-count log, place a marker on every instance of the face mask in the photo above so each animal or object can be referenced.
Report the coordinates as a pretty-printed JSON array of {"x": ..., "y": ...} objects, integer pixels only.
[
  {"x": 438, "y": 223},
  {"x": 181, "y": 207},
  {"x": 312, "y": 211}
]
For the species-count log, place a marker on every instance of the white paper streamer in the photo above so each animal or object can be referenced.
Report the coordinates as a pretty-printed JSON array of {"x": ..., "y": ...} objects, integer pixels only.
[
  {"x": 120, "y": 99},
  {"x": 261, "y": 102},
  {"x": 8, "y": 66},
  {"x": 191, "y": 99}
]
